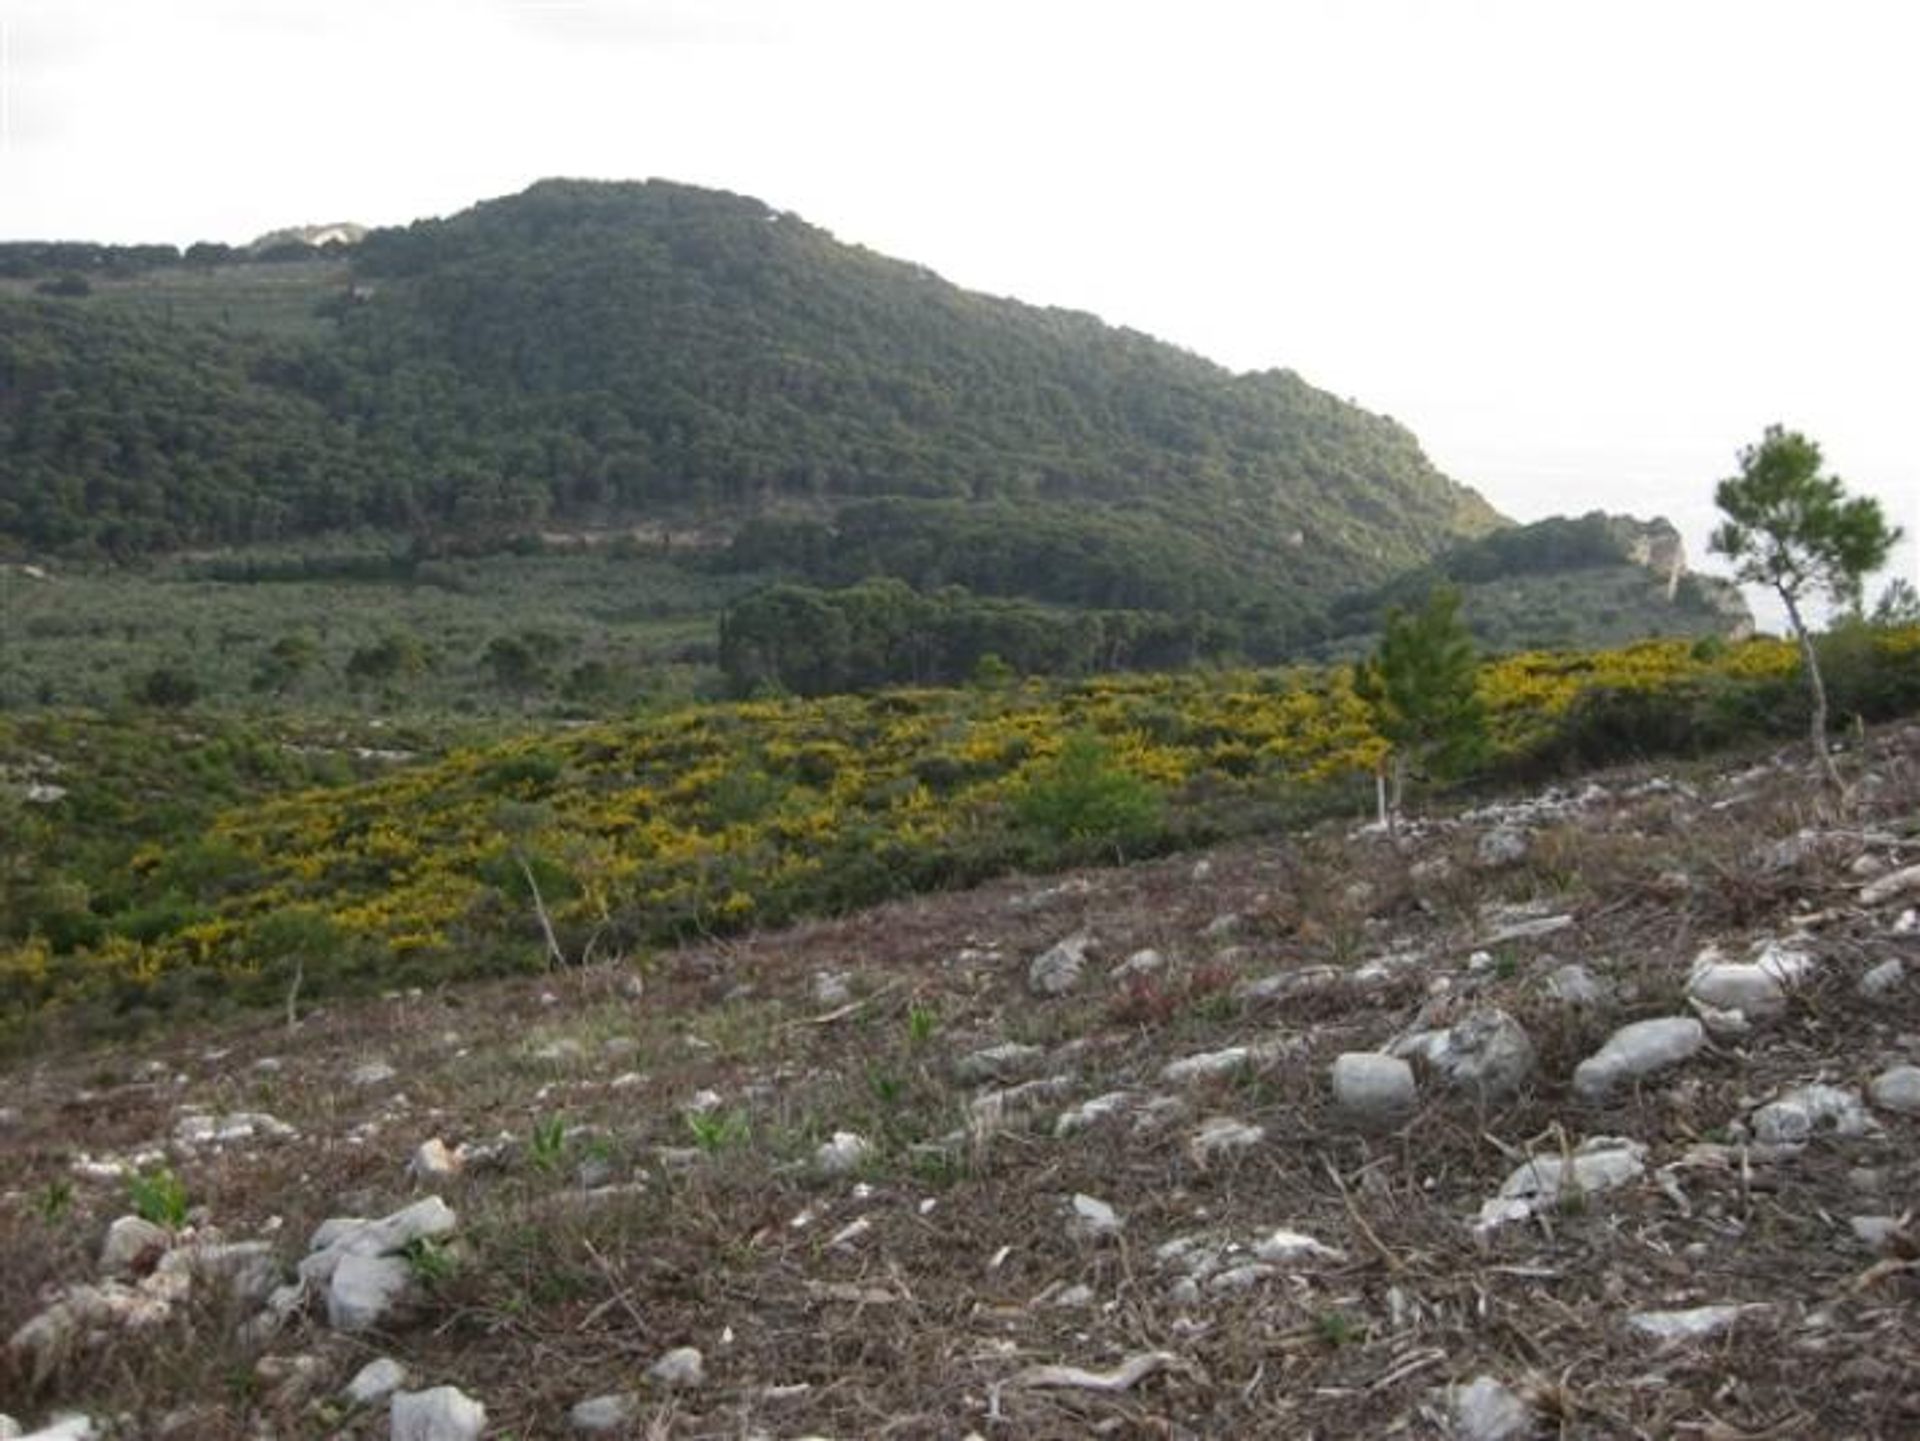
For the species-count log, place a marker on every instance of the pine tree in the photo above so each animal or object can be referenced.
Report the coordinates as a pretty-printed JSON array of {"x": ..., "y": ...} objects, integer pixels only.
[
  {"x": 1796, "y": 531},
  {"x": 1421, "y": 685}
]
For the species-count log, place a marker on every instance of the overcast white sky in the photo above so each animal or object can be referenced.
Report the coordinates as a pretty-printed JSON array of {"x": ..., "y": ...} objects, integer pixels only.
[{"x": 1585, "y": 250}]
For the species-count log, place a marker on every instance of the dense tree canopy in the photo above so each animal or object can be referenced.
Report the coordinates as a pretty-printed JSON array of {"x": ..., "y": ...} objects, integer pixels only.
[{"x": 590, "y": 352}]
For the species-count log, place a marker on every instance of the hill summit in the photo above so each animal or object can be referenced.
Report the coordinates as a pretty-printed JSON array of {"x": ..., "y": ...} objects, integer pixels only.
[{"x": 589, "y": 353}]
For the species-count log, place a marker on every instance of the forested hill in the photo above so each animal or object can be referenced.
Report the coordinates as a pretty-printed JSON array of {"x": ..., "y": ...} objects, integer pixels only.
[{"x": 591, "y": 353}]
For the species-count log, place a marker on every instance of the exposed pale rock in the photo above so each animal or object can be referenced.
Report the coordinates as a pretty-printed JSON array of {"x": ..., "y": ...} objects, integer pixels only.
[
  {"x": 426, "y": 1219},
  {"x": 847, "y": 1151},
  {"x": 681, "y": 1367},
  {"x": 1289, "y": 983},
  {"x": 433, "y": 1161},
  {"x": 1487, "y": 1051},
  {"x": 830, "y": 988},
  {"x": 1574, "y": 985},
  {"x": 1372, "y": 1085},
  {"x": 1091, "y": 1113},
  {"x": 133, "y": 1243},
  {"x": 1486, "y": 1410},
  {"x": 1883, "y": 979},
  {"x": 1005, "y": 1062},
  {"x": 1900, "y": 883},
  {"x": 375, "y": 1381},
  {"x": 1876, "y": 1232},
  {"x": 1140, "y": 963},
  {"x": 248, "y": 1271},
  {"x": 1545, "y": 1180},
  {"x": 1207, "y": 1066},
  {"x": 1501, "y": 846},
  {"x": 1057, "y": 970},
  {"x": 1222, "y": 1136},
  {"x": 445, "y": 1413},
  {"x": 605, "y": 1413},
  {"x": 1529, "y": 930},
  {"x": 1636, "y": 1051},
  {"x": 1694, "y": 1324},
  {"x": 1897, "y": 1089},
  {"x": 1091, "y": 1219},
  {"x": 1807, "y": 1111},
  {"x": 71, "y": 1426},
  {"x": 371, "y": 1073},
  {"x": 199, "y": 1128},
  {"x": 1072, "y": 1297},
  {"x": 991, "y": 1110},
  {"x": 363, "y": 1290},
  {"x": 1287, "y": 1248}
]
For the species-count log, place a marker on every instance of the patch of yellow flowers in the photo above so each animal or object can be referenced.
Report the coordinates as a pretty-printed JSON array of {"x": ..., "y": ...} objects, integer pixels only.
[{"x": 725, "y": 815}]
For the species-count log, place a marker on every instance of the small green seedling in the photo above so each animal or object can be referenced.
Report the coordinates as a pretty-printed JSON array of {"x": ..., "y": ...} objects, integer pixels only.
[
  {"x": 922, "y": 1022},
  {"x": 712, "y": 1130},
  {"x": 160, "y": 1197},
  {"x": 549, "y": 1144}
]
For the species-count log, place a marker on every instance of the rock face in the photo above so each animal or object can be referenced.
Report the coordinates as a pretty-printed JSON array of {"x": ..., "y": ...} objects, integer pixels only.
[
  {"x": 1372, "y": 1086},
  {"x": 1636, "y": 1051},
  {"x": 445, "y": 1413}
]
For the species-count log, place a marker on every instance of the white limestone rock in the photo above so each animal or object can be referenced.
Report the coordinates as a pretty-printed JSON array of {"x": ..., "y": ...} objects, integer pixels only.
[
  {"x": 1501, "y": 847},
  {"x": 1487, "y": 1051},
  {"x": 1574, "y": 985},
  {"x": 1058, "y": 969},
  {"x": 601, "y": 1414},
  {"x": 681, "y": 1368},
  {"x": 1091, "y": 1113},
  {"x": 1208, "y": 1066},
  {"x": 445, "y": 1413},
  {"x": 1091, "y": 1219},
  {"x": 432, "y": 1161},
  {"x": 200, "y": 1128},
  {"x": 1291, "y": 1248},
  {"x": 1373, "y": 1086},
  {"x": 132, "y": 1244},
  {"x": 1548, "y": 1179},
  {"x": 1486, "y": 1410},
  {"x": 1799, "y": 1115},
  {"x": 1883, "y": 979},
  {"x": 1897, "y": 1089},
  {"x": 1637, "y": 1051},
  {"x": 1221, "y": 1136},
  {"x": 1900, "y": 883},
  {"x": 1008, "y": 1061},
  {"x": 845, "y": 1153},
  {"x": 364, "y": 1290},
  {"x": 374, "y": 1382},
  {"x": 1694, "y": 1324}
]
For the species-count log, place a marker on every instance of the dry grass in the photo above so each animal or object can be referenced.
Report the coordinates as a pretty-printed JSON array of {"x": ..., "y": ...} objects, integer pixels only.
[{"x": 720, "y": 1236}]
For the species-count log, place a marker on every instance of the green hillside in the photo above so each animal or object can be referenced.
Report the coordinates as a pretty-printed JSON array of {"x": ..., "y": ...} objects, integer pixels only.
[
  {"x": 589, "y": 354},
  {"x": 1594, "y": 579}
]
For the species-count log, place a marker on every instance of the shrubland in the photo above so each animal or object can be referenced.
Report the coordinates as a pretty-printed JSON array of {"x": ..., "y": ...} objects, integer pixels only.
[{"x": 195, "y": 858}]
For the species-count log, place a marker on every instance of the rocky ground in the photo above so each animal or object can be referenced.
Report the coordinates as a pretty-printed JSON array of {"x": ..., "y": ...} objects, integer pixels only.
[{"x": 1592, "y": 1113}]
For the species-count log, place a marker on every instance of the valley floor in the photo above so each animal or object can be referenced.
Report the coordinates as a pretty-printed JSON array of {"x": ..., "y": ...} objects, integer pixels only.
[{"x": 888, "y": 1175}]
